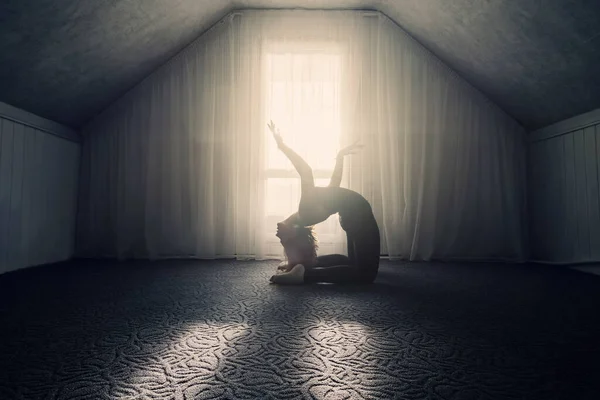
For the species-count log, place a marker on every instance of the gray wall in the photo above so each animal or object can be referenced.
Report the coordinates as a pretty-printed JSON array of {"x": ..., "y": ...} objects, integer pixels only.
[
  {"x": 39, "y": 168},
  {"x": 564, "y": 191}
]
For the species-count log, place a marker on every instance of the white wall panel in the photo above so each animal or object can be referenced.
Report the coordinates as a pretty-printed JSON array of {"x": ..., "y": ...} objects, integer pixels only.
[
  {"x": 38, "y": 189},
  {"x": 564, "y": 191}
]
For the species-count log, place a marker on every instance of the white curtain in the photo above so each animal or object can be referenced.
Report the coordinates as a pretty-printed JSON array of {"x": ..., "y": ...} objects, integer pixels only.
[
  {"x": 38, "y": 195},
  {"x": 447, "y": 168},
  {"x": 183, "y": 165}
]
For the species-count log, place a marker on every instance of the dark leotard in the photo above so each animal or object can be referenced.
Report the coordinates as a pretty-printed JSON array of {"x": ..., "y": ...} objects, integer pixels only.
[{"x": 362, "y": 233}]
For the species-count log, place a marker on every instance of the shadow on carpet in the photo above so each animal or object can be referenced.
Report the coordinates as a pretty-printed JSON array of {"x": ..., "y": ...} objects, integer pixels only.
[{"x": 219, "y": 330}]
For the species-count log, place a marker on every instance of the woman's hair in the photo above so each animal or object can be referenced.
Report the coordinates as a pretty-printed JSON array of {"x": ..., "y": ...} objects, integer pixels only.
[{"x": 305, "y": 242}]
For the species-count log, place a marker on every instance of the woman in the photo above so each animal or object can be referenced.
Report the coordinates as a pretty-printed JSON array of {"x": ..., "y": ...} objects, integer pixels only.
[{"x": 316, "y": 205}]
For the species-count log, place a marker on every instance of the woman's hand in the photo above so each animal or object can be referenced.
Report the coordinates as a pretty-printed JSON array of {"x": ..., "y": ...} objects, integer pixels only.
[
  {"x": 276, "y": 134},
  {"x": 352, "y": 149},
  {"x": 284, "y": 267}
]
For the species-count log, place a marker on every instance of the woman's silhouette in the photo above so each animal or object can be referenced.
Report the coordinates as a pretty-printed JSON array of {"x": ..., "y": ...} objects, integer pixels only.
[{"x": 316, "y": 205}]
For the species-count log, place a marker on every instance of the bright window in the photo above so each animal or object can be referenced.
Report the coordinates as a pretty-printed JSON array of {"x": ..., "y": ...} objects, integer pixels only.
[{"x": 303, "y": 99}]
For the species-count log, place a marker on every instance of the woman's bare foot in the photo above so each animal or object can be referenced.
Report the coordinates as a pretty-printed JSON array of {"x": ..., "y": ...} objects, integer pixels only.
[{"x": 293, "y": 277}]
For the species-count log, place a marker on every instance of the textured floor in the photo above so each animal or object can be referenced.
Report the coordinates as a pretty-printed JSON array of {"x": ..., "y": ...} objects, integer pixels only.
[
  {"x": 590, "y": 269},
  {"x": 204, "y": 330}
]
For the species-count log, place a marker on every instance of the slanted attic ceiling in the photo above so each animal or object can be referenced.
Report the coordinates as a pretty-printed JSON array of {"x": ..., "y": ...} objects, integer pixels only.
[{"x": 67, "y": 60}]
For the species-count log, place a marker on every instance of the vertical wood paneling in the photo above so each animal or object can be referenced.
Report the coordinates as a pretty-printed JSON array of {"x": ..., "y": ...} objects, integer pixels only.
[
  {"x": 549, "y": 193},
  {"x": 38, "y": 194},
  {"x": 6, "y": 161},
  {"x": 28, "y": 204},
  {"x": 542, "y": 208},
  {"x": 565, "y": 197},
  {"x": 591, "y": 173},
  {"x": 16, "y": 195},
  {"x": 534, "y": 164},
  {"x": 562, "y": 211},
  {"x": 569, "y": 222},
  {"x": 596, "y": 251},
  {"x": 583, "y": 245},
  {"x": 555, "y": 207}
]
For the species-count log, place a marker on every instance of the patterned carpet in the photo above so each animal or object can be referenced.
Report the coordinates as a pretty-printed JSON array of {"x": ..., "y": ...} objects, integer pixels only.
[{"x": 218, "y": 330}]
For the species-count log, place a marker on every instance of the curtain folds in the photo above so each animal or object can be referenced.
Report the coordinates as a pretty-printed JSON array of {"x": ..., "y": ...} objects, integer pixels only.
[{"x": 178, "y": 167}]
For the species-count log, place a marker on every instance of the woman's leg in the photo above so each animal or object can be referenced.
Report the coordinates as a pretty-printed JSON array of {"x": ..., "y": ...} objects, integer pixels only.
[
  {"x": 334, "y": 268},
  {"x": 361, "y": 266},
  {"x": 332, "y": 259},
  {"x": 332, "y": 274},
  {"x": 351, "y": 249},
  {"x": 330, "y": 268},
  {"x": 368, "y": 251}
]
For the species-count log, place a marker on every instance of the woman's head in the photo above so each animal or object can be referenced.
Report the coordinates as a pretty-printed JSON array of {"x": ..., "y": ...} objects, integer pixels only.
[
  {"x": 286, "y": 229},
  {"x": 299, "y": 242}
]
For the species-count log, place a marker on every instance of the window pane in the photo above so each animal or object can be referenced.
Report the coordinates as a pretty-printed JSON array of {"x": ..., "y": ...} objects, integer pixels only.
[{"x": 303, "y": 99}]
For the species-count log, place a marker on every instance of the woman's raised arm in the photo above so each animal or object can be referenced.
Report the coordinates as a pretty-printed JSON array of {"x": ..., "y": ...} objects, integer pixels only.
[
  {"x": 336, "y": 177},
  {"x": 305, "y": 171}
]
